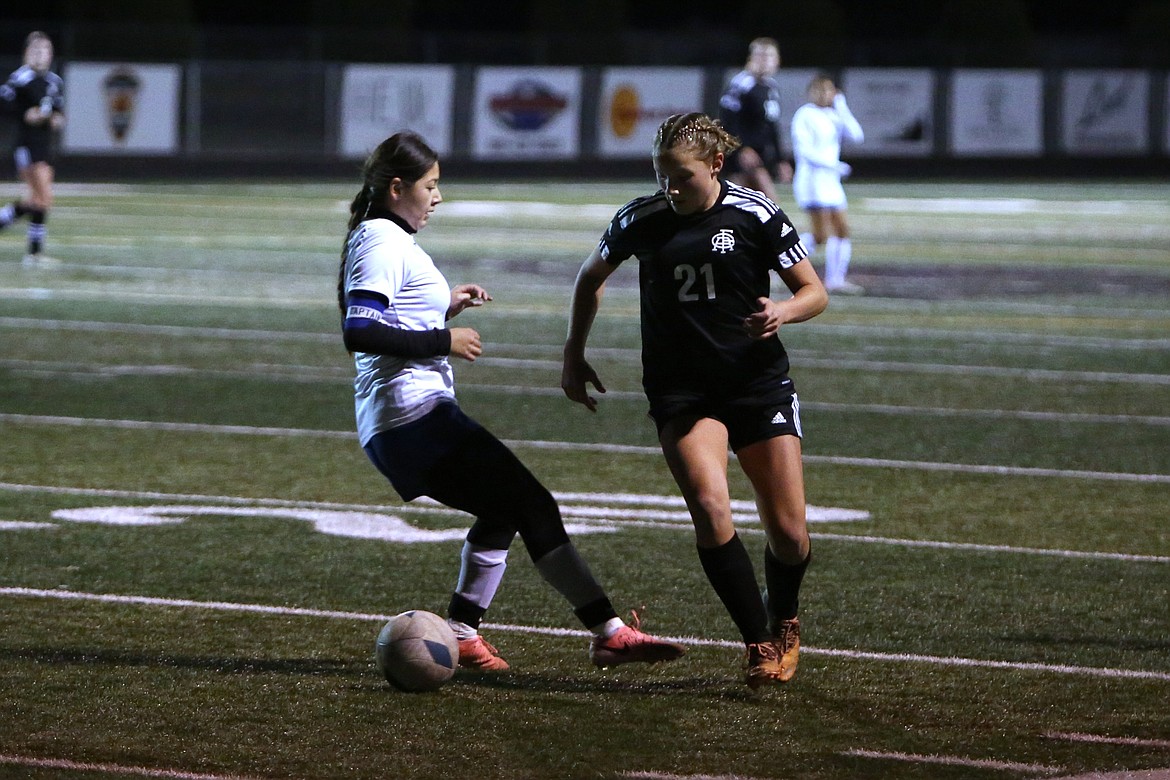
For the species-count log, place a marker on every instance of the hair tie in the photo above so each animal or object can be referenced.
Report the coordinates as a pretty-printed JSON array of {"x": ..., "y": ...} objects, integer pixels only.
[{"x": 369, "y": 200}]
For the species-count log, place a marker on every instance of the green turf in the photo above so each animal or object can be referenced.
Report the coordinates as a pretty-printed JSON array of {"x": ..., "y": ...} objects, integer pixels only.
[{"x": 999, "y": 407}]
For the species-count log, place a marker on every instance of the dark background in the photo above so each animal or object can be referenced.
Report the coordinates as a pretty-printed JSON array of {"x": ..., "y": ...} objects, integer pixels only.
[{"x": 824, "y": 33}]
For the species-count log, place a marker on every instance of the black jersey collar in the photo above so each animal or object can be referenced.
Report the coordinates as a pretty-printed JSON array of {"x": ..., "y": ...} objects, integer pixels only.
[
  {"x": 718, "y": 201},
  {"x": 376, "y": 212}
]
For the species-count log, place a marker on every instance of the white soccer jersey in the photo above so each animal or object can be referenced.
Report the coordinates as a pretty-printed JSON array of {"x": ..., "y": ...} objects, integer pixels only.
[
  {"x": 816, "y": 145},
  {"x": 383, "y": 258}
]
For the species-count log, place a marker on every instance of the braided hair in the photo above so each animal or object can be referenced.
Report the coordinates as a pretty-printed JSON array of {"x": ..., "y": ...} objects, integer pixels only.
[
  {"x": 403, "y": 156},
  {"x": 696, "y": 132}
]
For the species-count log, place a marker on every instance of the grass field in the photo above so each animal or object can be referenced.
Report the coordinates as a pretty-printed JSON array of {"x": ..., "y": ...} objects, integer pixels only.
[{"x": 197, "y": 558}]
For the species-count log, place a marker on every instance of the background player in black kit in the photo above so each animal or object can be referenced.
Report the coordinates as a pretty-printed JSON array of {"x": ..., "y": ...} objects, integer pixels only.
[
  {"x": 34, "y": 95},
  {"x": 750, "y": 110},
  {"x": 714, "y": 371}
]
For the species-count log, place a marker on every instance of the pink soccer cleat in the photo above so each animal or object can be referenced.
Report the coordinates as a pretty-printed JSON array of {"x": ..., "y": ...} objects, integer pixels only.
[
  {"x": 629, "y": 644},
  {"x": 478, "y": 655}
]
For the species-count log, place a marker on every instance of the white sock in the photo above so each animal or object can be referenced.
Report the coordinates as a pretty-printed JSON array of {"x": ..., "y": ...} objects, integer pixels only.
[
  {"x": 608, "y": 628},
  {"x": 834, "y": 273},
  {"x": 462, "y": 630},
  {"x": 480, "y": 572},
  {"x": 844, "y": 255},
  {"x": 810, "y": 243}
]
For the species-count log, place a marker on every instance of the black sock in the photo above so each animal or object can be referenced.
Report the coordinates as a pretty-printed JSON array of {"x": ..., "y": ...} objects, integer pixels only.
[
  {"x": 464, "y": 611},
  {"x": 36, "y": 230},
  {"x": 595, "y": 613},
  {"x": 729, "y": 569},
  {"x": 783, "y": 580}
]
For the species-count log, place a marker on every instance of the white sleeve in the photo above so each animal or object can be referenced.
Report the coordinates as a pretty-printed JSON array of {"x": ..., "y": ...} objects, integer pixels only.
[
  {"x": 377, "y": 265},
  {"x": 804, "y": 143},
  {"x": 850, "y": 128}
]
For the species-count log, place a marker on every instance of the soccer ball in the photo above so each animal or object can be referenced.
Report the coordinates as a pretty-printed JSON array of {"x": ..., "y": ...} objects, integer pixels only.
[{"x": 417, "y": 651}]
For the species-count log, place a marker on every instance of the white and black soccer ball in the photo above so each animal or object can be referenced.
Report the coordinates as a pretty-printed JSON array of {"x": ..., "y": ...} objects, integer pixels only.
[{"x": 417, "y": 651}]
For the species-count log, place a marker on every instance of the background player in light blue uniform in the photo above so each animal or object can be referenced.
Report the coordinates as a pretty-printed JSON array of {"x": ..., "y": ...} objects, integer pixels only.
[{"x": 818, "y": 127}]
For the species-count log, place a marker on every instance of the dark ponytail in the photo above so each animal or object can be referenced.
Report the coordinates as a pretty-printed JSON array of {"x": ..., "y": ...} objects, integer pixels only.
[{"x": 405, "y": 156}]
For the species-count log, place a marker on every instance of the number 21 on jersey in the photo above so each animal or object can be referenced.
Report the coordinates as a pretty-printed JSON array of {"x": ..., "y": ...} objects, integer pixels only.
[{"x": 692, "y": 288}]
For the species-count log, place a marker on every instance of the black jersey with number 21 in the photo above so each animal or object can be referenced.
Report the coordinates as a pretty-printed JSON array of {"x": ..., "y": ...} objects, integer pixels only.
[{"x": 700, "y": 276}]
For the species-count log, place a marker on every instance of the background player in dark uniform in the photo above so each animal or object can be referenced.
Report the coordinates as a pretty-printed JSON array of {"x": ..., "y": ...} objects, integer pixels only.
[
  {"x": 750, "y": 110},
  {"x": 714, "y": 371},
  {"x": 34, "y": 95}
]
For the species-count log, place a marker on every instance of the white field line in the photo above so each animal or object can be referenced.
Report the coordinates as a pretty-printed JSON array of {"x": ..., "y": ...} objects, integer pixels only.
[
  {"x": 918, "y": 335},
  {"x": 890, "y": 409},
  {"x": 625, "y": 449},
  {"x": 17, "y": 525},
  {"x": 873, "y": 304},
  {"x": 571, "y": 507},
  {"x": 994, "y": 371},
  {"x": 176, "y": 331},
  {"x": 311, "y": 373},
  {"x": 1006, "y": 206},
  {"x": 31, "y": 762},
  {"x": 903, "y": 334},
  {"x": 904, "y": 367},
  {"x": 649, "y": 775},
  {"x": 980, "y": 205},
  {"x": 838, "y": 364},
  {"x": 995, "y": 548},
  {"x": 343, "y": 374},
  {"x": 267, "y": 609},
  {"x": 998, "y": 414},
  {"x": 974, "y": 763},
  {"x": 1157, "y": 744}
]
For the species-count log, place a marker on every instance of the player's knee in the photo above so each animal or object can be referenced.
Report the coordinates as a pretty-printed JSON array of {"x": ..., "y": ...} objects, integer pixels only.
[
  {"x": 789, "y": 542},
  {"x": 538, "y": 519}
]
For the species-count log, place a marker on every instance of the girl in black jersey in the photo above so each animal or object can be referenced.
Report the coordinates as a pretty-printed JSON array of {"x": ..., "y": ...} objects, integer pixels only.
[
  {"x": 34, "y": 95},
  {"x": 750, "y": 110},
  {"x": 714, "y": 371}
]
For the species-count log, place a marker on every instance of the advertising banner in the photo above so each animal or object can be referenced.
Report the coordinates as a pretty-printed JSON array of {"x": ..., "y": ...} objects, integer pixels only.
[
  {"x": 1166, "y": 120},
  {"x": 121, "y": 109},
  {"x": 1105, "y": 112},
  {"x": 997, "y": 112},
  {"x": 635, "y": 101},
  {"x": 895, "y": 107},
  {"x": 380, "y": 100},
  {"x": 526, "y": 113}
]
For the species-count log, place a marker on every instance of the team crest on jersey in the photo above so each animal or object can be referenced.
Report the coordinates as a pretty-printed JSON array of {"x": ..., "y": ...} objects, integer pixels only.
[{"x": 723, "y": 241}]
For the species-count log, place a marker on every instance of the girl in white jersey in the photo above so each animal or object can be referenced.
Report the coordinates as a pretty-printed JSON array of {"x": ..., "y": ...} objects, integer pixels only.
[
  {"x": 818, "y": 128},
  {"x": 394, "y": 304},
  {"x": 713, "y": 369}
]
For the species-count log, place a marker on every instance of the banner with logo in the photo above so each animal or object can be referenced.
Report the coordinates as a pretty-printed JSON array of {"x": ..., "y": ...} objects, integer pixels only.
[
  {"x": 526, "y": 113},
  {"x": 114, "y": 109},
  {"x": 997, "y": 112},
  {"x": 1166, "y": 120},
  {"x": 635, "y": 101},
  {"x": 895, "y": 107},
  {"x": 1105, "y": 112},
  {"x": 380, "y": 100}
]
